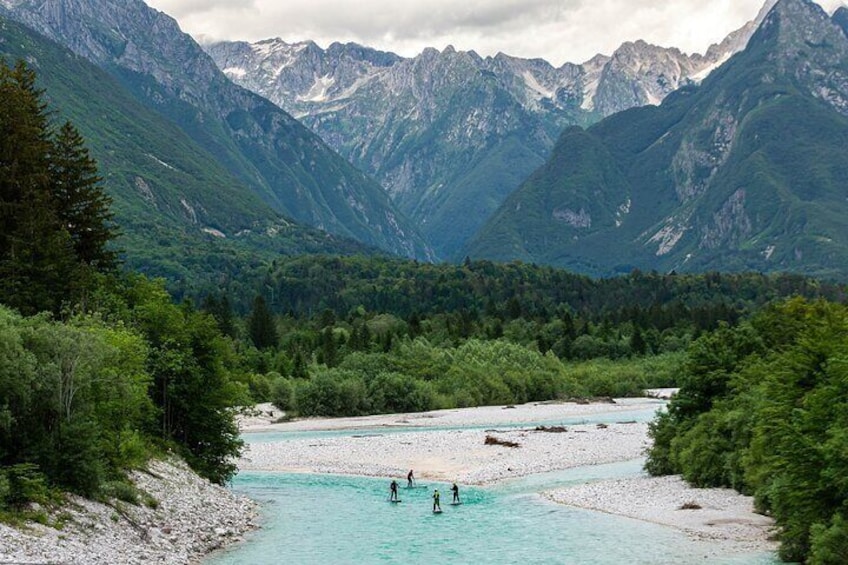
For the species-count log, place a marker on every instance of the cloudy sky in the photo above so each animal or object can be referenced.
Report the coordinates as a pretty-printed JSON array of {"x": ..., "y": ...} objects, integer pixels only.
[{"x": 556, "y": 30}]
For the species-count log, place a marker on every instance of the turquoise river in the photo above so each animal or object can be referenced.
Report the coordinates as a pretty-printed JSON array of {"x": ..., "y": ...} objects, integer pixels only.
[{"x": 331, "y": 519}]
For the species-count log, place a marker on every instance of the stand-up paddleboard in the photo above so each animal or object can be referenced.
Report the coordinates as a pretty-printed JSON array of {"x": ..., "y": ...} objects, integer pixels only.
[
  {"x": 455, "y": 503},
  {"x": 395, "y": 501},
  {"x": 416, "y": 486},
  {"x": 437, "y": 511}
]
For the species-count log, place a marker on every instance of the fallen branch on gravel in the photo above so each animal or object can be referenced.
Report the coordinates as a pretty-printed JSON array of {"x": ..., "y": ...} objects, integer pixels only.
[
  {"x": 492, "y": 440},
  {"x": 552, "y": 429}
]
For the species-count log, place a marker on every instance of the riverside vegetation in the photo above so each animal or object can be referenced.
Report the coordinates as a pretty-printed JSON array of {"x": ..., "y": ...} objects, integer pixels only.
[
  {"x": 763, "y": 408},
  {"x": 102, "y": 369}
]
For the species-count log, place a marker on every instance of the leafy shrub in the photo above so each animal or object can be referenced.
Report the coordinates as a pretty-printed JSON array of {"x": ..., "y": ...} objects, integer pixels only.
[
  {"x": 702, "y": 453},
  {"x": 133, "y": 449},
  {"x": 121, "y": 490},
  {"x": 149, "y": 501},
  {"x": 332, "y": 392},
  {"x": 282, "y": 394},
  {"x": 5, "y": 490},
  {"x": 259, "y": 387},
  {"x": 393, "y": 392},
  {"x": 829, "y": 544}
]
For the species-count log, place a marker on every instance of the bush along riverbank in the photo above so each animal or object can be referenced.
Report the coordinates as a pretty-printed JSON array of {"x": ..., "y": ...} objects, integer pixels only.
[{"x": 168, "y": 515}]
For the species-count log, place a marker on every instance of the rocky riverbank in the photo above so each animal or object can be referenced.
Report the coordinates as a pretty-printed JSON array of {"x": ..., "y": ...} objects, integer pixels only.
[
  {"x": 460, "y": 455},
  {"x": 186, "y": 518},
  {"x": 711, "y": 514}
]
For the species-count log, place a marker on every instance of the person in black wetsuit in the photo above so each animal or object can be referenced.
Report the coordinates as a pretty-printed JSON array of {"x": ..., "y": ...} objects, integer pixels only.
[
  {"x": 455, "y": 490},
  {"x": 409, "y": 479},
  {"x": 393, "y": 488}
]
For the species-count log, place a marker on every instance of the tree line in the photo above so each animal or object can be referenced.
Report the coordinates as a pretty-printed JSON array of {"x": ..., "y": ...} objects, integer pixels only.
[{"x": 348, "y": 319}]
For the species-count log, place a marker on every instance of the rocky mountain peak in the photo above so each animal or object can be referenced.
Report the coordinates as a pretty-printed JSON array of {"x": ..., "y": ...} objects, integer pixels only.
[
  {"x": 840, "y": 18},
  {"x": 126, "y": 33},
  {"x": 803, "y": 43},
  {"x": 745, "y": 171},
  {"x": 793, "y": 23}
]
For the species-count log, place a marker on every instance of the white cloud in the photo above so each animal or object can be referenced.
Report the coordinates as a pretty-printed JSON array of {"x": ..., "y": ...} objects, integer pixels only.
[{"x": 556, "y": 30}]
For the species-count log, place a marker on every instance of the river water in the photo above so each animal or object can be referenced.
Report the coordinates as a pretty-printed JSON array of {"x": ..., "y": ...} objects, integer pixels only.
[{"x": 317, "y": 519}]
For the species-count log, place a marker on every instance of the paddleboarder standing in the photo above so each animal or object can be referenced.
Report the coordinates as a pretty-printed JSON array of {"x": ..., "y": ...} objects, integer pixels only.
[
  {"x": 455, "y": 490},
  {"x": 436, "y": 504},
  {"x": 409, "y": 479},
  {"x": 393, "y": 488}
]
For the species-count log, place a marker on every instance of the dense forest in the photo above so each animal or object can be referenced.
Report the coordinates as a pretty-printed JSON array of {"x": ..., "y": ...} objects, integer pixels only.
[
  {"x": 357, "y": 330},
  {"x": 102, "y": 368},
  {"x": 763, "y": 408}
]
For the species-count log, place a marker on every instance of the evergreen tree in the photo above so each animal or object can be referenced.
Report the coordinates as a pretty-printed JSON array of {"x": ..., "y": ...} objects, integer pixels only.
[
  {"x": 329, "y": 348},
  {"x": 221, "y": 310},
  {"x": 637, "y": 342},
  {"x": 299, "y": 367},
  {"x": 261, "y": 325},
  {"x": 38, "y": 273},
  {"x": 24, "y": 146},
  {"x": 82, "y": 205}
]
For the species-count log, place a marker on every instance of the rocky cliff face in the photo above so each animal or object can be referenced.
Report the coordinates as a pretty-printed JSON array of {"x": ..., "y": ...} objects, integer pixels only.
[
  {"x": 745, "y": 171},
  {"x": 450, "y": 134},
  {"x": 292, "y": 169}
]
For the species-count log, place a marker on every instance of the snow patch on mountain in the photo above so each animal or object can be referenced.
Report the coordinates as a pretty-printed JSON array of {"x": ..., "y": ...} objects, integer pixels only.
[
  {"x": 318, "y": 92},
  {"x": 698, "y": 77},
  {"x": 235, "y": 73},
  {"x": 269, "y": 47},
  {"x": 534, "y": 86}
]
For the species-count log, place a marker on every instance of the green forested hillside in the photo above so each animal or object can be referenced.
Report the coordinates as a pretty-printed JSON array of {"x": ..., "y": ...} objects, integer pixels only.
[
  {"x": 155, "y": 165},
  {"x": 745, "y": 172}
]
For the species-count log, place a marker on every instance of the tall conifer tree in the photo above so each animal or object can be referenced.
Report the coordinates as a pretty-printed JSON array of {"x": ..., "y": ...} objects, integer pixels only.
[
  {"x": 82, "y": 205},
  {"x": 261, "y": 326}
]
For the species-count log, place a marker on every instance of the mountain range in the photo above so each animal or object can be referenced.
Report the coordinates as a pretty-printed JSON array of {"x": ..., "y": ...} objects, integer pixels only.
[
  {"x": 264, "y": 153},
  {"x": 451, "y": 134},
  {"x": 745, "y": 172},
  {"x": 648, "y": 158}
]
